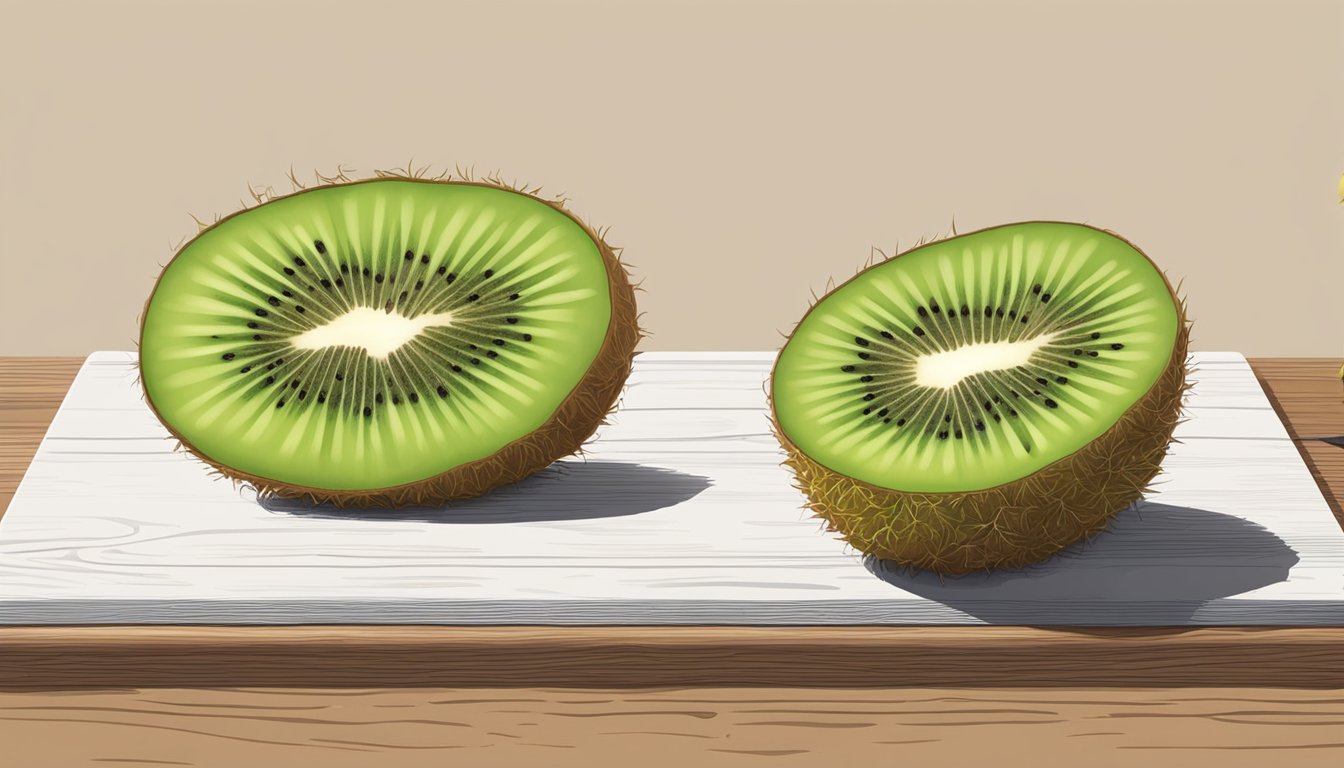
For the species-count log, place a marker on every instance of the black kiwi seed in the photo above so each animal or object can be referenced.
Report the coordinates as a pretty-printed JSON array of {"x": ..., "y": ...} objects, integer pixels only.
[
  {"x": 883, "y": 412},
  {"x": 862, "y": 342},
  {"x": 847, "y": 368},
  {"x": 1117, "y": 346},
  {"x": 1061, "y": 380},
  {"x": 457, "y": 369},
  {"x": 989, "y": 312},
  {"x": 869, "y": 397},
  {"x": 1050, "y": 403},
  {"x": 988, "y": 407},
  {"x": 442, "y": 390},
  {"x": 1077, "y": 351},
  {"x": 900, "y": 422},
  {"x": 997, "y": 417},
  {"x": 287, "y": 294},
  {"x": 1093, "y": 353},
  {"x": 499, "y": 342},
  {"x": 922, "y": 312},
  {"x": 320, "y": 246},
  {"x": 998, "y": 312},
  {"x": 1012, "y": 313},
  {"x": 410, "y": 256},
  {"x": 942, "y": 435},
  {"x": 489, "y": 273},
  {"x": 979, "y": 426},
  {"x": 998, "y": 399},
  {"x": 958, "y": 434},
  {"x": 1036, "y": 289},
  {"x": 256, "y": 337},
  {"x": 280, "y": 403},
  {"x": 492, "y": 354},
  {"x": 263, "y": 313},
  {"x": 513, "y": 297},
  {"x": 298, "y": 262},
  {"x": 933, "y": 306},
  {"x": 340, "y": 283},
  {"x": 424, "y": 258},
  {"x": 367, "y": 411},
  {"x": 511, "y": 320},
  {"x": 365, "y": 271},
  {"x": 274, "y": 302},
  {"x": 299, "y": 309},
  {"x": 294, "y": 384},
  {"x": 886, "y": 335},
  {"x": 325, "y": 282},
  {"x": 475, "y": 361},
  {"x": 965, "y": 311},
  {"x": 404, "y": 295},
  {"x": 322, "y": 396},
  {"x": 396, "y": 399},
  {"x": 1045, "y": 298},
  {"x": 867, "y": 411},
  {"x": 947, "y": 418},
  {"x": 340, "y": 376},
  {"x": 252, "y": 324},
  {"x": 227, "y": 355},
  {"x": 1012, "y": 412},
  {"x": 269, "y": 381},
  {"x": 472, "y": 347},
  {"x": 303, "y": 393},
  {"x": 378, "y": 278},
  {"x": 1096, "y": 336},
  {"x": 451, "y": 277},
  {"x": 866, "y": 378},
  {"x": 1072, "y": 364},
  {"x": 290, "y": 272},
  {"x": 1041, "y": 381},
  {"x": 917, "y": 331},
  {"x": 419, "y": 284},
  {"x": 378, "y": 398},
  {"x": 864, "y": 355},
  {"x": 345, "y": 269},
  {"x": 414, "y": 398},
  {"x": 280, "y": 361},
  {"x": 473, "y": 297},
  {"x": 441, "y": 270},
  {"x": 246, "y": 369},
  {"x": 270, "y": 366}
]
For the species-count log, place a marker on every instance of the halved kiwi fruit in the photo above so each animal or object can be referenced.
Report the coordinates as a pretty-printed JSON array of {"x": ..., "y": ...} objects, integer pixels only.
[
  {"x": 389, "y": 341},
  {"x": 985, "y": 400}
]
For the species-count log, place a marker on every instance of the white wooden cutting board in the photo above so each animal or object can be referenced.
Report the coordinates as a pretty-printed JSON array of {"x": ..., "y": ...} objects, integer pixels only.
[{"x": 681, "y": 514}]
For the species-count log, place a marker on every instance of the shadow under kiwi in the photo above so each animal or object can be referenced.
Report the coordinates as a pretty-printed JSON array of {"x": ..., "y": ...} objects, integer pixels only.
[
  {"x": 1154, "y": 564},
  {"x": 566, "y": 490}
]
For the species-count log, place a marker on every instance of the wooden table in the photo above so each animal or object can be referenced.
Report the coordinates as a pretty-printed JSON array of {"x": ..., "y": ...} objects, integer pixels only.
[{"x": 486, "y": 696}]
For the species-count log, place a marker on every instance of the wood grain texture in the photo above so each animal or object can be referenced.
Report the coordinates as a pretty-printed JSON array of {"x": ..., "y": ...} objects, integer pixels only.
[
  {"x": 675, "y": 728},
  {"x": 620, "y": 657},
  {"x": 31, "y": 390},
  {"x": 680, "y": 514}
]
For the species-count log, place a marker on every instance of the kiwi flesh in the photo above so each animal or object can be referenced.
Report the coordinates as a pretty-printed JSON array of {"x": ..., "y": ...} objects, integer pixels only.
[
  {"x": 389, "y": 341},
  {"x": 985, "y": 400}
]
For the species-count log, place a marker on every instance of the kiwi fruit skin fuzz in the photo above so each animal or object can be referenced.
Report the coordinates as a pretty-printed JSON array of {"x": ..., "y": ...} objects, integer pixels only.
[
  {"x": 424, "y": 393},
  {"x": 1025, "y": 519}
]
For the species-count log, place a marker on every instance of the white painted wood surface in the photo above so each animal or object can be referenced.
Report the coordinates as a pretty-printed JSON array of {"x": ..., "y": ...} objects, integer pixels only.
[{"x": 680, "y": 515}]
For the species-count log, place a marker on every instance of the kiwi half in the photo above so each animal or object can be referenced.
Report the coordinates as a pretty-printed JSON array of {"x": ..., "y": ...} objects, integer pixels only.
[
  {"x": 985, "y": 400},
  {"x": 389, "y": 341}
]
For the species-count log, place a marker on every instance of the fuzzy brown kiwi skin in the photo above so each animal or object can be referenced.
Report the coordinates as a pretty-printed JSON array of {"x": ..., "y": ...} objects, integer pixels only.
[
  {"x": 1017, "y": 523},
  {"x": 579, "y": 415}
]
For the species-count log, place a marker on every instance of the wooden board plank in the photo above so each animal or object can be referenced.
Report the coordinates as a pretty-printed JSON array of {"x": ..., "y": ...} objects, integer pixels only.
[
  {"x": 680, "y": 516},
  {"x": 702, "y": 727}
]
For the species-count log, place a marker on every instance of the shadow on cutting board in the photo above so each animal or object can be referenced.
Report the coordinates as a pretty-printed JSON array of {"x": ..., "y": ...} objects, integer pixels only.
[
  {"x": 1155, "y": 560},
  {"x": 566, "y": 490}
]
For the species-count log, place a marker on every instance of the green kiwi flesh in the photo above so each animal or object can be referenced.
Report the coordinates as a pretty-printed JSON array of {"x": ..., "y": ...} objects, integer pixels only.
[
  {"x": 985, "y": 400},
  {"x": 389, "y": 341}
]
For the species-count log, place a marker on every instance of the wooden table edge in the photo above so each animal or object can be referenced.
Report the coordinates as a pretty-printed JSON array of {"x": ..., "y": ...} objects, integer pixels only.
[{"x": 100, "y": 656}]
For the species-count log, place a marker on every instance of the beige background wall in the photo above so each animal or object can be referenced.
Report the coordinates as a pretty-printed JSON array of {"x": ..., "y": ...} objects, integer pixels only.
[{"x": 742, "y": 152}]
